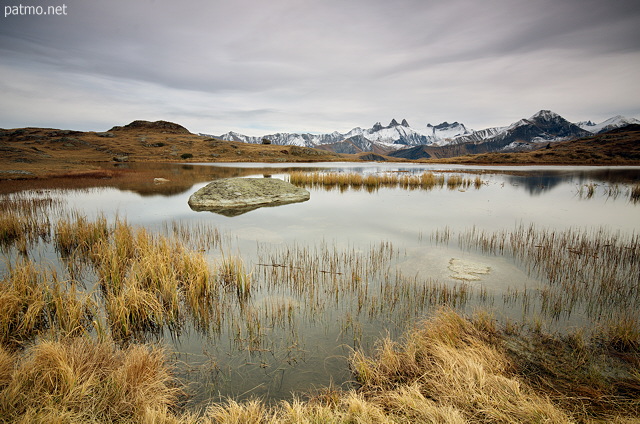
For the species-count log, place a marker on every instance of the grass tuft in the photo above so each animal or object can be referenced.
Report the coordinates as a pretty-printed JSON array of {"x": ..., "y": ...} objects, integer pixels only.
[
  {"x": 451, "y": 362},
  {"x": 80, "y": 380}
]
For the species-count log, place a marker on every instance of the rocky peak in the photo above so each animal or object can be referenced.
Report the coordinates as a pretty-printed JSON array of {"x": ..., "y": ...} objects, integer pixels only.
[
  {"x": 546, "y": 116},
  {"x": 405, "y": 123},
  {"x": 162, "y": 126},
  {"x": 445, "y": 125}
]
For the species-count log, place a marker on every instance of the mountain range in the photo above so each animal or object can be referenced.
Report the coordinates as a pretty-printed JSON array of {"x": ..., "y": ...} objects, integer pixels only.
[{"x": 442, "y": 140}]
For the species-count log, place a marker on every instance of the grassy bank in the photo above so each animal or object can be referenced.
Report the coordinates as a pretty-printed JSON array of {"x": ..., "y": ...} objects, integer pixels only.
[
  {"x": 448, "y": 369},
  {"x": 79, "y": 345}
]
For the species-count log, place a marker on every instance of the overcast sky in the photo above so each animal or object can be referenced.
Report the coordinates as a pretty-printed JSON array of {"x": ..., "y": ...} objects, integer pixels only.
[{"x": 264, "y": 66}]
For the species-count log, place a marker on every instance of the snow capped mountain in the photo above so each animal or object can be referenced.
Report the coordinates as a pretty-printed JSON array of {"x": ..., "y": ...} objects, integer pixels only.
[
  {"x": 395, "y": 135},
  {"x": 302, "y": 140},
  {"x": 543, "y": 127},
  {"x": 444, "y": 133},
  {"x": 391, "y": 137},
  {"x": 608, "y": 125}
]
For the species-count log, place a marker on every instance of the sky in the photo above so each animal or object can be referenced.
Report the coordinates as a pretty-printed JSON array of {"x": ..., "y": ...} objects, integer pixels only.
[{"x": 259, "y": 67}]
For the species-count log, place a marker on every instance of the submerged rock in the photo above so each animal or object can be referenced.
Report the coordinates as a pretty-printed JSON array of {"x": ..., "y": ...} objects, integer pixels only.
[
  {"x": 235, "y": 196},
  {"x": 466, "y": 270}
]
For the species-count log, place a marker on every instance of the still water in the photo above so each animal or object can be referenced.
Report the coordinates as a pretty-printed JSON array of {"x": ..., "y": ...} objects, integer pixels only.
[{"x": 347, "y": 267}]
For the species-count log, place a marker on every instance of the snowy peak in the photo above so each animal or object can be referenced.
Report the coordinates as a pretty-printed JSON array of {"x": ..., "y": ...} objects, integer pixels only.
[
  {"x": 608, "y": 125},
  {"x": 546, "y": 116},
  {"x": 545, "y": 126},
  {"x": 446, "y": 132},
  {"x": 549, "y": 119},
  {"x": 392, "y": 124}
]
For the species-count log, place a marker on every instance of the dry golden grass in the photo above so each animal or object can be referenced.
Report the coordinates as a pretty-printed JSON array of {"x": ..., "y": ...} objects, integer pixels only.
[
  {"x": 447, "y": 370},
  {"x": 78, "y": 233},
  {"x": 452, "y": 363},
  {"x": 635, "y": 193},
  {"x": 372, "y": 182},
  {"x": 33, "y": 300},
  {"x": 622, "y": 332},
  {"x": 147, "y": 281},
  {"x": 24, "y": 220},
  {"x": 23, "y": 301},
  {"x": 232, "y": 274},
  {"x": 82, "y": 381}
]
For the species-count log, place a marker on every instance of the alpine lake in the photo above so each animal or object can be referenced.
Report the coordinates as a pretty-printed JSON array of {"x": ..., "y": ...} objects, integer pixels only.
[{"x": 531, "y": 245}]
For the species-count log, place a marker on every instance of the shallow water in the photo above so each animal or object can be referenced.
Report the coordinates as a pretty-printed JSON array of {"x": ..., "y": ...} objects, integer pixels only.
[{"x": 285, "y": 338}]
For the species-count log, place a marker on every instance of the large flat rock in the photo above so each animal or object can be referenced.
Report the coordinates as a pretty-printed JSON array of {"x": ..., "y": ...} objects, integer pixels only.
[{"x": 234, "y": 196}]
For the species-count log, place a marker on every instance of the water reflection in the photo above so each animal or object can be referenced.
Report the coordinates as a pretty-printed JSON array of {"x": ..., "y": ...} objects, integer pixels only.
[
  {"x": 538, "y": 182},
  {"x": 336, "y": 272}
]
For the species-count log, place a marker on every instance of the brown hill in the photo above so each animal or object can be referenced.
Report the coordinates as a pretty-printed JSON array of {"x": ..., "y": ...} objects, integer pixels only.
[
  {"x": 32, "y": 152},
  {"x": 27, "y": 153},
  {"x": 161, "y": 126}
]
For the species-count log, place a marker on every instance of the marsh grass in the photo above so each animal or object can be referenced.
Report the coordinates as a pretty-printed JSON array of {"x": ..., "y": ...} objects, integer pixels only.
[
  {"x": 76, "y": 232},
  {"x": 33, "y": 300},
  {"x": 82, "y": 381},
  {"x": 584, "y": 375},
  {"x": 449, "y": 369},
  {"x": 594, "y": 269},
  {"x": 149, "y": 281},
  {"x": 452, "y": 369},
  {"x": 634, "y": 194},
  {"x": 233, "y": 275},
  {"x": 455, "y": 365},
  {"x": 23, "y": 301},
  {"x": 372, "y": 182},
  {"x": 621, "y": 332},
  {"x": 24, "y": 220}
]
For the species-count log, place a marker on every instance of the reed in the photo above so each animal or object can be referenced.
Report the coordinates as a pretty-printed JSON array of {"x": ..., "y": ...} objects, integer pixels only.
[
  {"x": 232, "y": 274},
  {"x": 11, "y": 228},
  {"x": 32, "y": 208},
  {"x": 71, "y": 313},
  {"x": 76, "y": 232},
  {"x": 134, "y": 311},
  {"x": 23, "y": 301},
  {"x": 453, "y": 363},
  {"x": 634, "y": 194},
  {"x": 621, "y": 333},
  {"x": 592, "y": 269},
  {"x": 372, "y": 182},
  {"x": 25, "y": 203},
  {"x": 82, "y": 381},
  {"x": 147, "y": 281},
  {"x": 25, "y": 224},
  {"x": 455, "y": 181},
  {"x": 198, "y": 236}
]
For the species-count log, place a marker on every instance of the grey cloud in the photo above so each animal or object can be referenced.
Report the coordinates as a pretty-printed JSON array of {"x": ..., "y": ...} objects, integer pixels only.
[{"x": 319, "y": 64}]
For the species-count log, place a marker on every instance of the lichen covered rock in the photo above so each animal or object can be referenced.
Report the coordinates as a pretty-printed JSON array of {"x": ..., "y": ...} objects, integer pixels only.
[{"x": 234, "y": 196}]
